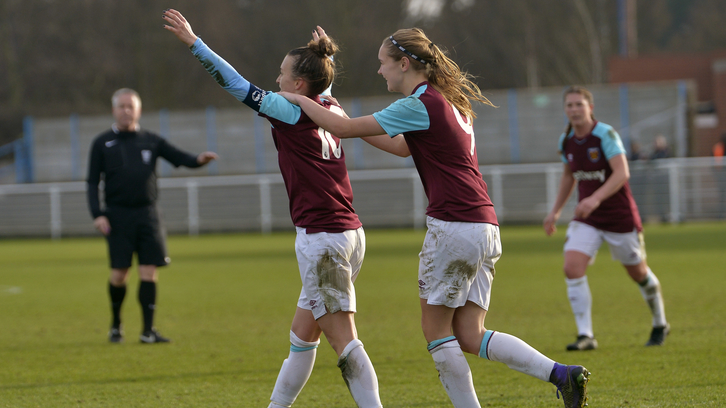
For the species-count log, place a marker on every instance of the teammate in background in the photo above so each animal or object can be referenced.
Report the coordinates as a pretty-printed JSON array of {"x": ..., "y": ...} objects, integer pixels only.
[
  {"x": 462, "y": 244},
  {"x": 594, "y": 159},
  {"x": 330, "y": 242},
  {"x": 126, "y": 156}
]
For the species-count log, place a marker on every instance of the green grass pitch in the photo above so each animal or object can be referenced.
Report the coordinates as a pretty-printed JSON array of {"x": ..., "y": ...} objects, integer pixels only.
[{"x": 227, "y": 301}]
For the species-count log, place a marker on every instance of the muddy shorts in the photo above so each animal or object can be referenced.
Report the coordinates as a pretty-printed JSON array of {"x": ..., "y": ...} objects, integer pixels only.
[
  {"x": 457, "y": 262},
  {"x": 627, "y": 248},
  {"x": 329, "y": 264}
]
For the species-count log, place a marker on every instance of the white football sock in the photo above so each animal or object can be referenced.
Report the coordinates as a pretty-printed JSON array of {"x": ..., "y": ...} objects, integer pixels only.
[
  {"x": 516, "y": 354},
  {"x": 454, "y": 372},
  {"x": 295, "y": 371},
  {"x": 653, "y": 296},
  {"x": 578, "y": 291},
  {"x": 359, "y": 375}
]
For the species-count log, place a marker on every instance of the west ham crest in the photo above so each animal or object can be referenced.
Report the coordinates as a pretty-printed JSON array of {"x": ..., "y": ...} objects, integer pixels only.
[{"x": 593, "y": 154}]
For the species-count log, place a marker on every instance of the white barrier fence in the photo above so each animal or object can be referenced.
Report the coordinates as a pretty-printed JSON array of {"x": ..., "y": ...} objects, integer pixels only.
[{"x": 668, "y": 190}]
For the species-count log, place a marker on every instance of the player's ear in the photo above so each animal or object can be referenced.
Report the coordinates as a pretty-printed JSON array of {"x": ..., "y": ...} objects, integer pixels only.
[
  {"x": 405, "y": 63},
  {"x": 299, "y": 84}
]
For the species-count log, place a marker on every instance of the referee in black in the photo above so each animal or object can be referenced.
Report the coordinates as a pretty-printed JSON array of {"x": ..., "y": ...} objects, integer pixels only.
[{"x": 126, "y": 157}]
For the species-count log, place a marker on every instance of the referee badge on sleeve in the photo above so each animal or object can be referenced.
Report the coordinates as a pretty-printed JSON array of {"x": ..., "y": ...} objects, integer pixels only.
[{"x": 146, "y": 156}]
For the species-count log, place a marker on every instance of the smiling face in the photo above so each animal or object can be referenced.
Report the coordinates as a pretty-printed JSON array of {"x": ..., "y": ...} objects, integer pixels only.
[
  {"x": 286, "y": 80},
  {"x": 127, "y": 111},
  {"x": 390, "y": 70},
  {"x": 578, "y": 110}
]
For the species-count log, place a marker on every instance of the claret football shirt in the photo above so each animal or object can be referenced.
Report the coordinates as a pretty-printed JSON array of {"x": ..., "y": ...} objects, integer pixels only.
[
  {"x": 441, "y": 142},
  {"x": 588, "y": 159}
]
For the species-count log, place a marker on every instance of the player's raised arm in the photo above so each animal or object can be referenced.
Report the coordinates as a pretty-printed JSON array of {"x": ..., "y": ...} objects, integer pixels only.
[{"x": 179, "y": 25}]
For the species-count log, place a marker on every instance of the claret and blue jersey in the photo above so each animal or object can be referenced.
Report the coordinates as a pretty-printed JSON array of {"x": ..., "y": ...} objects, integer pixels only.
[
  {"x": 441, "y": 143},
  {"x": 588, "y": 159},
  {"x": 312, "y": 161}
]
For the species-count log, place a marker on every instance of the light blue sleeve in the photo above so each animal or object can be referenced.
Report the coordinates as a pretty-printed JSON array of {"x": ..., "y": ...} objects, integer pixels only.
[
  {"x": 405, "y": 115},
  {"x": 609, "y": 140},
  {"x": 272, "y": 105},
  {"x": 276, "y": 106},
  {"x": 225, "y": 75}
]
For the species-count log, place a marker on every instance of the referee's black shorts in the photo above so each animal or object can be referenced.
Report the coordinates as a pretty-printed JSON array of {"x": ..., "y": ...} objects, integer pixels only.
[{"x": 136, "y": 229}]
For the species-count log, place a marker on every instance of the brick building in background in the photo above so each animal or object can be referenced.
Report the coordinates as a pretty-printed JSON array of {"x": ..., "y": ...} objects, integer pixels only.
[{"x": 707, "y": 70}]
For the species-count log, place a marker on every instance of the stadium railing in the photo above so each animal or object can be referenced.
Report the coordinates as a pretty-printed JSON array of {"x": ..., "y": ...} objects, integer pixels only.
[{"x": 666, "y": 190}]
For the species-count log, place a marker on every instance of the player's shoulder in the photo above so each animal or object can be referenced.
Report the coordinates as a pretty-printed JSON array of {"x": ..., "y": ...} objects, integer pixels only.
[{"x": 605, "y": 131}]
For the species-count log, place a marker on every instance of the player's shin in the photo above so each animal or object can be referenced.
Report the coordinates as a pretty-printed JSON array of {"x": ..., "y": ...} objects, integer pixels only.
[
  {"x": 516, "y": 354},
  {"x": 650, "y": 289},
  {"x": 359, "y": 375},
  {"x": 295, "y": 372},
  {"x": 454, "y": 372},
  {"x": 578, "y": 292}
]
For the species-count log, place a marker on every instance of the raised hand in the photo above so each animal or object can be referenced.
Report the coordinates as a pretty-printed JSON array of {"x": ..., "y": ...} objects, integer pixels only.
[
  {"x": 318, "y": 33},
  {"x": 178, "y": 25}
]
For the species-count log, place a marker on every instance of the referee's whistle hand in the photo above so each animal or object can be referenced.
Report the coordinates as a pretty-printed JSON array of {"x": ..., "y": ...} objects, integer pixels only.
[
  {"x": 101, "y": 223},
  {"x": 206, "y": 157}
]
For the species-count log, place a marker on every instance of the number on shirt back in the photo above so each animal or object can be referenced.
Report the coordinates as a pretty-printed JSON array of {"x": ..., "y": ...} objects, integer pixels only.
[
  {"x": 468, "y": 128},
  {"x": 327, "y": 139}
]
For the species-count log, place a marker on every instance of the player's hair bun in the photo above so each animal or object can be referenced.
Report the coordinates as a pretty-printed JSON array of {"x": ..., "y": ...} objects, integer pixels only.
[{"x": 324, "y": 47}]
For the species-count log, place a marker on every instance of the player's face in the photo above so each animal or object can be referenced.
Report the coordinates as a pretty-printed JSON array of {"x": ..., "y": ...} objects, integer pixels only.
[
  {"x": 578, "y": 109},
  {"x": 286, "y": 80},
  {"x": 127, "y": 111},
  {"x": 390, "y": 70}
]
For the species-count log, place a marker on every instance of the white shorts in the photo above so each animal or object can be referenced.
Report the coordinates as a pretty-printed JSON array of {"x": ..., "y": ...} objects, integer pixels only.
[
  {"x": 329, "y": 264},
  {"x": 627, "y": 248},
  {"x": 457, "y": 262}
]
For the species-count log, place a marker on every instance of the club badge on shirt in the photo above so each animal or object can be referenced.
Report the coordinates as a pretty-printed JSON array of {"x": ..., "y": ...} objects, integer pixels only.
[
  {"x": 593, "y": 154},
  {"x": 146, "y": 156}
]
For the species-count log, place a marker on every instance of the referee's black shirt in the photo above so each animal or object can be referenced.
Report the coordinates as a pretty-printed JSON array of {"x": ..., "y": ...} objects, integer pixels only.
[{"x": 128, "y": 163}]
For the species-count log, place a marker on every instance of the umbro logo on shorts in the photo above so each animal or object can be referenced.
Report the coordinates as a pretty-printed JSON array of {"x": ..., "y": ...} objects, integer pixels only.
[{"x": 421, "y": 284}]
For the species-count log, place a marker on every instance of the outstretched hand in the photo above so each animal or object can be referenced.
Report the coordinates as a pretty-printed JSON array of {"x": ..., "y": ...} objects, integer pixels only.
[
  {"x": 206, "y": 157},
  {"x": 178, "y": 25}
]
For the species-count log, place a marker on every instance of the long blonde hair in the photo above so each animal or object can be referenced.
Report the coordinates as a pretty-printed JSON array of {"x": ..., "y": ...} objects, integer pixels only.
[{"x": 441, "y": 71}]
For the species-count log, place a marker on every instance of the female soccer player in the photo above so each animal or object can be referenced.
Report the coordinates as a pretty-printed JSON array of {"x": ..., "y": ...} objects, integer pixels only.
[
  {"x": 330, "y": 242},
  {"x": 595, "y": 159},
  {"x": 462, "y": 244}
]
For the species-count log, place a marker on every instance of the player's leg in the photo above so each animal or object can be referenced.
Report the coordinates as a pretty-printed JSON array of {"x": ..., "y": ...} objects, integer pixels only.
[
  {"x": 456, "y": 261},
  {"x": 629, "y": 249},
  {"x": 151, "y": 250},
  {"x": 468, "y": 325},
  {"x": 454, "y": 371},
  {"x": 121, "y": 251},
  {"x": 583, "y": 242},
  {"x": 117, "y": 293},
  {"x": 329, "y": 264},
  {"x": 297, "y": 367}
]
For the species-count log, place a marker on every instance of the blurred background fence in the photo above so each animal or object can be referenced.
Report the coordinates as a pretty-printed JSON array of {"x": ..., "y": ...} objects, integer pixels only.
[
  {"x": 42, "y": 192},
  {"x": 671, "y": 190},
  {"x": 522, "y": 129}
]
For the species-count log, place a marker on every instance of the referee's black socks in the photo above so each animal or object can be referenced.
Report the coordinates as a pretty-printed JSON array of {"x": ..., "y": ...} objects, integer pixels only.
[
  {"x": 117, "y": 295},
  {"x": 147, "y": 299}
]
